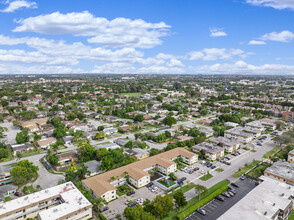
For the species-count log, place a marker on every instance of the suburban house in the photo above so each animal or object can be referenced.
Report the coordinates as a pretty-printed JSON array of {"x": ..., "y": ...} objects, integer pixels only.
[
  {"x": 103, "y": 185},
  {"x": 209, "y": 150},
  {"x": 93, "y": 167},
  {"x": 20, "y": 148},
  {"x": 67, "y": 139},
  {"x": 138, "y": 153},
  {"x": 66, "y": 158},
  {"x": 184, "y": 138},
  {"x": 291, "y": 156},
  {"x": 45, "y": 143},
  {"x": 229, "y": 145}
]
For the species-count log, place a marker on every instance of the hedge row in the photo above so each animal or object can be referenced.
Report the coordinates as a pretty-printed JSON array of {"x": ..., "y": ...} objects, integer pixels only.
[{"x": 202, "y": 202}]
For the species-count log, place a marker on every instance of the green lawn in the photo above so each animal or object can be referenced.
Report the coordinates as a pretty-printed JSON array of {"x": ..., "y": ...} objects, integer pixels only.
[
  {"x": 135, "y": 94},
  {"x": 31, "y": 153},
  {"x": 183, "y": 189},
  {"x": 123, "y": 189},
  {"x": 246, "y": 168},
  {"x": 165, "y": 184},
  {"x": 271, "y": 152},
  {"x": 219, "y": 170},
  {"x": 258, "y": 171},
  {"x": 206, "y": 177},
  {"x": 104, "y": 143},
  {"x": 172, "y": 215},
  {"x": 291, "y": 217},
  {"x": 180, "y": 166},
  {"x": 7, "y": 198}
]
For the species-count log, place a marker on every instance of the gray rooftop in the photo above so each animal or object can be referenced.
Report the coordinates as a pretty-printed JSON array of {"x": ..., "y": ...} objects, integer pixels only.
[
  {"x": 224, "y": 141},
  {"x": 262, "y": 202},
  {"x": 282, "y": 169},
  {"x": 208, "y": 147},
  {"x": 93, "y": 166}
]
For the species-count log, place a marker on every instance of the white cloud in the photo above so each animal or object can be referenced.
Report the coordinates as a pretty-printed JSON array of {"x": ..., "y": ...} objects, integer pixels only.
[
  {"x": 119, "y": 32},
  {"x": 277, "y": 4},
  {"x": 15, "y": 5},
  {"x": 217, "y": 32},
  {"x": 256, "y": 42},
  {"x": 241, "y": 67},
  {"x": 284, "y": 36},
  {"x": 209, "y": 54}
]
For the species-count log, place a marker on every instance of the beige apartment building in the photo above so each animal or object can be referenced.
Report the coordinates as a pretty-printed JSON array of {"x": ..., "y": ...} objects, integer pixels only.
[
  {"x": 64, "y": 201},
  {"x": 104, "y": 185}
]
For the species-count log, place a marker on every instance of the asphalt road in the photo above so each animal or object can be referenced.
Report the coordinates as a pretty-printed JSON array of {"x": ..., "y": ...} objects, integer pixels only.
[{"x": 216, "y": 208}]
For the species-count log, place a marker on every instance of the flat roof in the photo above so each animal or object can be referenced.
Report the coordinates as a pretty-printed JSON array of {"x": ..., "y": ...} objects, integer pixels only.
[
  {"x": 224, "y": 141},
  {"x": 268, "y": 197},
  {"x": 72, "y": 200},
  {"x": 239, "y": 131},
  {"x": 282, "y": 169},
  {"x": 208, "y": 147}
]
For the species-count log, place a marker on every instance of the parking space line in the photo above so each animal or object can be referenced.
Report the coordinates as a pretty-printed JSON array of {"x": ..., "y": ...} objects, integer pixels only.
[
  {"x": 207, "y": 209},
  {"x": 213, "y": 205}
]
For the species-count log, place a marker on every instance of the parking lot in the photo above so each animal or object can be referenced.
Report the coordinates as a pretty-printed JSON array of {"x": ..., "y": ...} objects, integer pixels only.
[
  {"x": 117, "y": 206},
  {"x": 216, "y": 208}
]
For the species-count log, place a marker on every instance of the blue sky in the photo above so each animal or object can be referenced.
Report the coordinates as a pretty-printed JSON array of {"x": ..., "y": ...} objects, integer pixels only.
[{"x": 147, "y": 36}]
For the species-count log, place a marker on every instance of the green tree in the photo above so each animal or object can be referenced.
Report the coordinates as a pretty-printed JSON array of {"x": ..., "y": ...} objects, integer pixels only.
[
  {"x": 22, "y": 137},
  {"x": 23, "y": 172},
  {"x": 100, "y": 128},
  {"x": 169, "y": 120},
  {"x": 139, "y": 118},
  {"x": 137, "y": 213},
  {"x": 199, "y": 190},
  {"x": 59, "y": 132},
  {"x": 160, "y": 206},
  {"x": 180, "y": 199},
  {"x": 72, "y": 167}
]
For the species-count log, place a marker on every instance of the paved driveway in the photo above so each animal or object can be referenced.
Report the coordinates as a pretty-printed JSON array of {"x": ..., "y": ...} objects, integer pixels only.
[
  {"x": 46, "y": 179},
  {"x": 11, "y": 132}
]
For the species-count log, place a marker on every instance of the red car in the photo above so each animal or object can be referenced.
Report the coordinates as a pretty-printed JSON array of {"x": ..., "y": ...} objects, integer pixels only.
[{"x": 18, "y": 194}]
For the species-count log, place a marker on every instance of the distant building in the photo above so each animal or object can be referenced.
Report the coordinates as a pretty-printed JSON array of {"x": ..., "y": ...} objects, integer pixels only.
[
  {"x": 229, "y": 145},
  {"x": 63, "y": 201},
  {"x": 291, "y": 156},
  {"x": 21, "y": 148},
  {"x": 207, "y": 149},
  {"x": 271, "y": 199},
  {"x": 239, "y": 133},
  {"x": 288, "y": 116},
  {"x": 138, "y": 153},
  {"x": 93, "y": 167},
  {"x": 45, "y": 143}
]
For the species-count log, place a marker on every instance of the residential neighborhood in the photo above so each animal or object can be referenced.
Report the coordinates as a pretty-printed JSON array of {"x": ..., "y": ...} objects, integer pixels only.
[{"x": 122, "y": 150}]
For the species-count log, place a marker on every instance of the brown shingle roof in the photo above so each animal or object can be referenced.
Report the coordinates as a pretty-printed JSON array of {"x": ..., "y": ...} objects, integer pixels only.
[{"x": 135, "y": 170}]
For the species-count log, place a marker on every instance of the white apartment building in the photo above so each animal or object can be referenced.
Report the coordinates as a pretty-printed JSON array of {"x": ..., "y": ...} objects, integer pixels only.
[{"x": 64, "y": 201}]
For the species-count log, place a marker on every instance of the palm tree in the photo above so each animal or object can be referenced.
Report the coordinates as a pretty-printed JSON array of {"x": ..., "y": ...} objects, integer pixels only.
[{"x": 199, "y": 189}]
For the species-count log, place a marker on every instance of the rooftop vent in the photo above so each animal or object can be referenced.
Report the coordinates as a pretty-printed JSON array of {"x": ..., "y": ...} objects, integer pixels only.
[
  {"x": 282, "y": 194},
  {"x": 265, "y": 213},
  {"x": 55, "y": 210},
  {"x": 46, "y": 191},
  {"x": 25, "y": 198},
  {"x": 274, "y": 204}
]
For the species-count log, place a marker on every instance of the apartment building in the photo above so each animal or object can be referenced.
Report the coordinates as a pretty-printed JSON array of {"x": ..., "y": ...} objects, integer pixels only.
[
  {"x": 255, "y": 125},
  {"x": 271, "y": 199},
  {"x": 104, "y": 185},
  {"x": 282, "y": 171},
  {"x": 64, "y": 201},
  {"x": 207, "y": 149},
  {"x": 291, "y": 156},
  {"x": 230, "y": 145},
  {"x": 240, "y": 134},
  {"x": 288, "y": 116}
]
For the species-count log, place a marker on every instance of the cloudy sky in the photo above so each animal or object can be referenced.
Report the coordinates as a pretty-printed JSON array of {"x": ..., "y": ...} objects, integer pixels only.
[{"x": 147, "y": 36}]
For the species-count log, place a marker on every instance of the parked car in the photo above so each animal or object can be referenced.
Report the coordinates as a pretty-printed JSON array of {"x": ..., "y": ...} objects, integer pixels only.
[
  {"x": 220, "y": 198},
  {"x": 243, "y": 177},
  {"x": 226, "y": 194},
  {"x": 183, "y": 179},
  {"x": 128, "y": 201},
  {"x": 213, "y": 167},
  {"x": 191, "y": 171},
  {"x": 209, "y": 165},
  {"x": 18, "y": 194},
  {"x": 197, "y": 168},
  {"x": 201, "y": 211},
  {"x": 130, "y": 193},
  {"x": 132, "y": 204},
  {"x": 227, "y": 158},
  {"x": 227, "y": 163},
  {"x": 235, "y": 185},
  {"x": 231, "y": 193}
]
